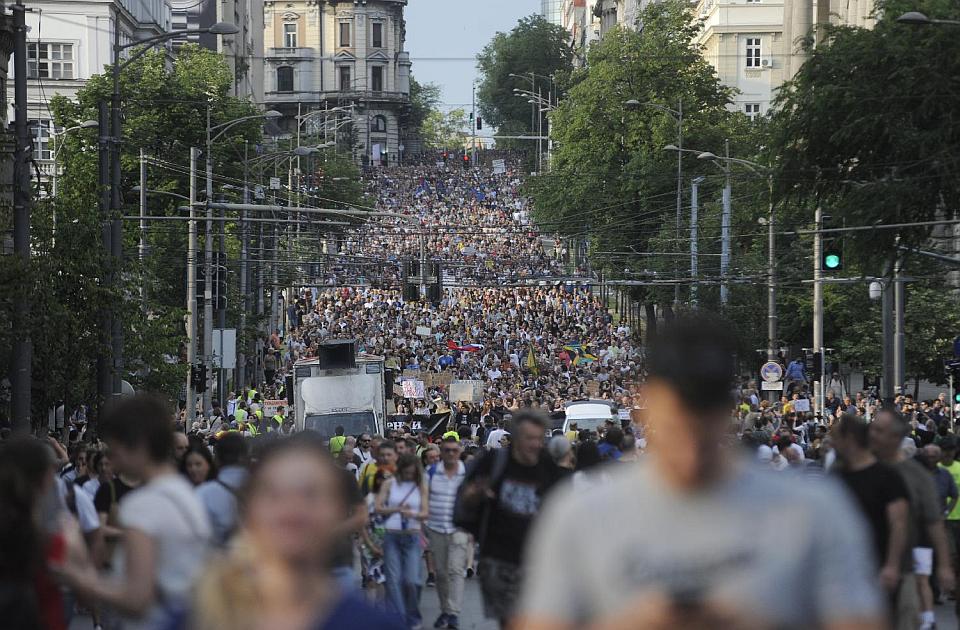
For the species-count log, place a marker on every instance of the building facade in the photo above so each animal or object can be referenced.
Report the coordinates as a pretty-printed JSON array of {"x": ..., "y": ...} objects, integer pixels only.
[
  {"x": 345, "y": 58},
  {"x": 67, "y": 43},
  {"x": 744, "y": 41},
  {"x": 552, "y": 10},
  {"x": 243, "y": 52}
]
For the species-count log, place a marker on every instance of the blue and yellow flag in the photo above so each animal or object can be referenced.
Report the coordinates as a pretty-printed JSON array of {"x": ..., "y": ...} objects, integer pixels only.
[{"x": 579, "y": 354}]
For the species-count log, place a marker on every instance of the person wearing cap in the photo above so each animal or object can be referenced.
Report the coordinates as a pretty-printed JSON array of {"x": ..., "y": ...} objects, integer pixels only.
[{"x": 694, "y": 485}]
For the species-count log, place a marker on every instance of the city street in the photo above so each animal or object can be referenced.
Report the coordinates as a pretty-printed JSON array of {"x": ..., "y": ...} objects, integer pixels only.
[{"x": 653, "y": 307}]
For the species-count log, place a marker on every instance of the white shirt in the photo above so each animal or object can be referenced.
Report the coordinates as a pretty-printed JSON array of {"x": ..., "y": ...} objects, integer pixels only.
[
  {"x": 167, "y": 510},
  {"x": 493, "y": 440}
]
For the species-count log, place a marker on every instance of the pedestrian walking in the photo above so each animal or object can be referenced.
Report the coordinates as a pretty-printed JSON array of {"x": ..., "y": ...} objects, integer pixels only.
[
  {"x": 404, "y": 503},
  {"x": 696, "y": 537},
  {"x": 448, "y": 544}
]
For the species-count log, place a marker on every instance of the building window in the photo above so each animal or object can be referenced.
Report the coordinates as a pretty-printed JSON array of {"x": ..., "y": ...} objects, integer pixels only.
[
  {"x": 344, "y": 34},
  {"x": 285, "y": 79},
  {"x": 377, "y": 35},
  {"x": 344, "y": 78},
  {"x": 378, "y": 124},
  {"x": 376, "y": 78},
  {"x": 289, "y": 35},
  {"x": 753, "y": 1},
  {"x": 42, "y": 132},
  {"x": 50, "y": 61},
  {"x": 752, "y": 110},
  {"x": 753, "y": 52}
]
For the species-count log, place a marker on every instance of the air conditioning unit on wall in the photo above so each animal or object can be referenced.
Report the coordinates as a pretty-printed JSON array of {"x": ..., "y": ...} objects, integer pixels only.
[{"x": 766, "y": 63}]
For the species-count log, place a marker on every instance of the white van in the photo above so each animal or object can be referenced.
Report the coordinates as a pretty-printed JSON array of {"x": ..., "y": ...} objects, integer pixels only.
[{"x": 589, "y": 414}]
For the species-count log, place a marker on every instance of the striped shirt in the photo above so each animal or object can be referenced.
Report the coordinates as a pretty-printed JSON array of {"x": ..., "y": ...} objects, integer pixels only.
[{"x": 443, "y": 495}]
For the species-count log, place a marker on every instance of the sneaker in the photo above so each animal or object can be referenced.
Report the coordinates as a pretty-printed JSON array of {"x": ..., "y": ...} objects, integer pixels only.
[
  {"x": 441, "y": 621},
  {"x": 469, "y": 572},
  {"x": 431, "y": 579},
  {"x": 453, "y": 623}
]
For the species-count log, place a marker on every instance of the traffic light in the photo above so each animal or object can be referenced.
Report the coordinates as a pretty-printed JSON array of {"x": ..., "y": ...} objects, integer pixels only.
[
  {"x": 831, "y": 250},
  {"x": 445, "y": 156},
  {"x": 479, "y": 123},
  {"x": 198, "y": 377},
  {"x": 466, "y": 160}
]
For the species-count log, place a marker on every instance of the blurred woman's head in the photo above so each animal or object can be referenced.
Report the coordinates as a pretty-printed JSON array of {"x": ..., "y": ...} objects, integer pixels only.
[
  {"x": 294, "y": 500},
  {"x": 588, "y": 455},
  {"x": 26, "y": 486},
  {"x": 408, "y": 468},
  {"x": 198, "y": 465}
]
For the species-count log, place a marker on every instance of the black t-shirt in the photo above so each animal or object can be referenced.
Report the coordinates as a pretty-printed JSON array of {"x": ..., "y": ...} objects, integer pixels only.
[
  {"x": 875, "y": 487},
  {"x": 520, "y": 494},
  {"x": 341, "y": 553},
  {"x": 107, "y": 493}
]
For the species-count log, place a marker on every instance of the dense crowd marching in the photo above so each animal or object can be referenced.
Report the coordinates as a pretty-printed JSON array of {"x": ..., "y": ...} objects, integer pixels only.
[{"x": 708, "y": 508}]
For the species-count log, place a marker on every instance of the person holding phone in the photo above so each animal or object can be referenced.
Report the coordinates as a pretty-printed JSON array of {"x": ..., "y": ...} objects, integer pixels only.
[{"x": 693, "y": 536}]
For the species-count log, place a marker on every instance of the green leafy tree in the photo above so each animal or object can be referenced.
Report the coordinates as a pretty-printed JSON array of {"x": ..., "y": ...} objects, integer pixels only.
[
  {"x": 445, "y": 131},
  {"x": 867, "y": 128},
  {"x": 611, "y": 179},
  {"x": 534, "y": 45},
  {"x": 424, "y": 99},
  {"x": 164, "y": 112}
]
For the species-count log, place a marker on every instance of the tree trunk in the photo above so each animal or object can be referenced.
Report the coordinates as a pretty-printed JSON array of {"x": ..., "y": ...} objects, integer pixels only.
[{"x": 651, "y": 311}]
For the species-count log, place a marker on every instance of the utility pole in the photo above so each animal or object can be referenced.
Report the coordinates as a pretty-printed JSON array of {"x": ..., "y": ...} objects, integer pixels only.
[
  {"x": 694, "y": 245},
  {"x": 771, "y": 275},
  {"x": 899, "y": 362},
  {"x": 244, "y": 299},
  {"x": 725, "y": 233},
  {"x": 209, "y": 276},
  {"x": 142, "y": 249},
  {"x": 104, "y": 381},
  {"x": 676, "y": 287},
  {"x": 191, "y": 402},
  {"x": 22, "y": 359},
  {"x": 116, "y": 212},
  {"x": 817, "y": 296}
]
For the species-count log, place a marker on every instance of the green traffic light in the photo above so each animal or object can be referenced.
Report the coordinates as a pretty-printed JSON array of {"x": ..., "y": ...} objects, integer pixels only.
[
  {"x": 956, "y": 397},
  {"x": 831, "y": 261}
]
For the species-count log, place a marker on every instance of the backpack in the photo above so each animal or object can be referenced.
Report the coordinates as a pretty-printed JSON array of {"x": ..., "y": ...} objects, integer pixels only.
[{"x": 475, "y": 517}]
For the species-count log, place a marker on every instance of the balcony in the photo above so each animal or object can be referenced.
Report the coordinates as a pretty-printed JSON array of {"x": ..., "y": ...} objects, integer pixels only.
[{"x": 290, "y": 54}]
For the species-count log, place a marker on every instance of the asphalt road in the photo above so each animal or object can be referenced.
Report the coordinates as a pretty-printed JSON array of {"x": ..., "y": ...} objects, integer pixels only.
[{"x": 472, "y": 617}]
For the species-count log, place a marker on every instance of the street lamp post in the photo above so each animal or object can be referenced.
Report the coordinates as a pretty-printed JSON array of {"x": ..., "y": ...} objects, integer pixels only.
[
  {"x": 771, "y": 246},
  {"x": 213, "y": 133},
  {"x": 915, "y": 18},
  {"x": 678, "y": 116},
  {"x": 114, "y": 245}
]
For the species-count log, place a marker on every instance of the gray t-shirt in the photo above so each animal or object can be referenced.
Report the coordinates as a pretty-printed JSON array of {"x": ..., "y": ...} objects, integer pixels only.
[{"x": 790, "y": 550}]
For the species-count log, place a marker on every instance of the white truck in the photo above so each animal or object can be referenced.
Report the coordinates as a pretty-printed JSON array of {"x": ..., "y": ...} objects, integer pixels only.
[{"x": 353, "y": 398}]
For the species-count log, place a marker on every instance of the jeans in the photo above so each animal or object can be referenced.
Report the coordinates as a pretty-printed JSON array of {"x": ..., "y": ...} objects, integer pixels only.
[
  {"x": 402, "y": 556},
  {"x": 346, "y": 578}
]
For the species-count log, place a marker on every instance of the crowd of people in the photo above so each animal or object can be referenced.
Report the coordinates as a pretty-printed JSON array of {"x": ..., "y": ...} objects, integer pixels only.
[
  {"x": 152, "y": 528},
  {"x": 702, "y": 506}
]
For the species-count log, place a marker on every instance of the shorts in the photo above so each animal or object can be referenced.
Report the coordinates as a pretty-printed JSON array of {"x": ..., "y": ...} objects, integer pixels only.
[
  {"x": 500, "y": 584},
  {"x": 923, "y": 560}
]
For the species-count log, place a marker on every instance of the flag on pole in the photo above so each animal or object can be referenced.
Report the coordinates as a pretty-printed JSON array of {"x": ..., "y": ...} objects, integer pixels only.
[
  {"x": 532, "y": 362},
  {"x": 579, "y": 354},
  {"x": 470, "y": 347}
]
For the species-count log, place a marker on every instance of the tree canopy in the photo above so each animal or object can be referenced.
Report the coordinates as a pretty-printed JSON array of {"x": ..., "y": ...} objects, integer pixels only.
[{"x": 534, "y": 45}]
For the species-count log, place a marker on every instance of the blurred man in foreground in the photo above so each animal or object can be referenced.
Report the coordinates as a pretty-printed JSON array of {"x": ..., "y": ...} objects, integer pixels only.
[{"x": 694, "y": 537}]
